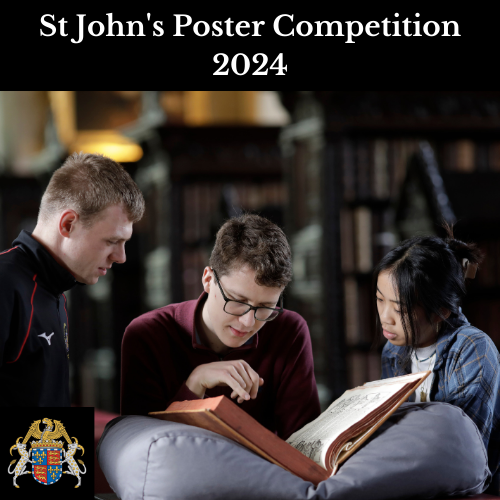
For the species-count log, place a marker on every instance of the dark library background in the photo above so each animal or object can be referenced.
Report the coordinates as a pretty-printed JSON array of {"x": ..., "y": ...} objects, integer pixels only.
[{"x": 347, "y": 175}]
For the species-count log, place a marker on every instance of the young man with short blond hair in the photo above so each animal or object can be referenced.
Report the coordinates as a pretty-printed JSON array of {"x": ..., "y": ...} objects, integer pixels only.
[
  {"x": 234, "y": 340},
  {"x": 85, "y": 218}
]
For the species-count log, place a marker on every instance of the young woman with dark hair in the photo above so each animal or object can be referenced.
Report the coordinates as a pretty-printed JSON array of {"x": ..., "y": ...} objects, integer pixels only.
[{"x": 419, "y": 288}]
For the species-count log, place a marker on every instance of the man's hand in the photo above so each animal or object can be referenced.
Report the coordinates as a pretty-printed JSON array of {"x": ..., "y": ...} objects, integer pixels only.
[{"x": 237, "y": 374}]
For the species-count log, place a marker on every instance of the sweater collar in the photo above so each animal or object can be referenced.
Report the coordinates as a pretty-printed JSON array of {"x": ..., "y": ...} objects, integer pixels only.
[{"x": 53, "y": 276}]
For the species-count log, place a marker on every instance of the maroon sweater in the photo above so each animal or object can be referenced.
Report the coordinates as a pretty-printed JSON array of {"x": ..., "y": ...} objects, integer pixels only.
[{"x": 160, "y": 349}]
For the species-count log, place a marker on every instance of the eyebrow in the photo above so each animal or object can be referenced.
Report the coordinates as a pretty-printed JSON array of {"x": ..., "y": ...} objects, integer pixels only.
[
  {"x": 395, "y": 301},
  {"x": 245, "y": 299}
]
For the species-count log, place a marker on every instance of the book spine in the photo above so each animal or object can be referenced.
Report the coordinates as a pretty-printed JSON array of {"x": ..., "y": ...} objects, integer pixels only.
[
  {"x": 363, "y": 169},
  {"x": 363, "y": 238},
  {"x": 465, "y": 155},
  {"x": 494, "y": 156},
  {"x": 347, "y": 241},
  {"x": 349, "y": 170},
  {"x": 380, "y": 169},
  {"x": 351, "y": 311}
]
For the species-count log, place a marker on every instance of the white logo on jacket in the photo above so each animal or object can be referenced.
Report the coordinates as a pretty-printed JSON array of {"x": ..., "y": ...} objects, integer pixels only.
[{"x": 44, "y": 335}]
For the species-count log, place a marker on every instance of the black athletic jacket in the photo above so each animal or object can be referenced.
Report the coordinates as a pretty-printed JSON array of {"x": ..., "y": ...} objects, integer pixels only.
[{"x": 34, "y": 353}]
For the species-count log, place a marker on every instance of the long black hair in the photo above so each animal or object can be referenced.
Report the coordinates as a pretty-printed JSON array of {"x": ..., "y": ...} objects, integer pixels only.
[{"x": 427, "y": 271}]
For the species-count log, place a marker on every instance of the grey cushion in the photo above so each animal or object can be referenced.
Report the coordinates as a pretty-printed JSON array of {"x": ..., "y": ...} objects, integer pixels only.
[{"x": 427, "y": 450}]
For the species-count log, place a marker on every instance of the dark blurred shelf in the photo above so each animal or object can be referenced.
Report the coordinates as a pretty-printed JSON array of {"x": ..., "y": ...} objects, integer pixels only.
[
  {"x": 440, "y": 113},
  {"x": 483, "y": 293},
  {"x": 362, "y": 277},
  {"x": 373, "y": 203},
  {"x": 441, "y": 128},
  {"x": 365, "y": 347},
  {"x": 222, "y": 152}
]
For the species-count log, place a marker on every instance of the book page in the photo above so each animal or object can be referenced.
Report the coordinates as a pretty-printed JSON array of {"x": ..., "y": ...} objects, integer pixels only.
[
  {"x": 314, "y": 439},
  {"x": 407, "y": 378}
]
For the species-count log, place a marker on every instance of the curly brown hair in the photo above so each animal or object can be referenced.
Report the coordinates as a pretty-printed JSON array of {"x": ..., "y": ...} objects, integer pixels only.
[
  {"x": 88, "y": 184},
  {"x": 257, "y": 242}
]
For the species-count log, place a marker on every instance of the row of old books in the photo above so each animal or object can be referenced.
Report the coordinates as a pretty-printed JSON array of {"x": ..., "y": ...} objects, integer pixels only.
[
  {"x": 374, "y": 169},
  {"x": 359, "y": 307},
  {"x": 207, "y": 204},
  {"x": 466, "y": 155},
  {"x": 365, "y": 237}
]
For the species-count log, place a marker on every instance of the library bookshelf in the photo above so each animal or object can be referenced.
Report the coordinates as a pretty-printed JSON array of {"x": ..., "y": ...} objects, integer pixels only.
[{"x": 354, "y": 195}]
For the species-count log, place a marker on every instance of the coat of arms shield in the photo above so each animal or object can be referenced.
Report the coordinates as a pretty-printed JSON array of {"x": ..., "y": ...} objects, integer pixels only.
[{"x": 47, "y": 467}]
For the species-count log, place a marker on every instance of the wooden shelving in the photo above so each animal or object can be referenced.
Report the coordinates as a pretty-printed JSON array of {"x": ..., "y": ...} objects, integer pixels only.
[{"x": 367, "y": 141}]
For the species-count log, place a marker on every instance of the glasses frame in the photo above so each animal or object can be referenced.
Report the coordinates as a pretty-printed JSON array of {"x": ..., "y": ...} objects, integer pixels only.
[{"x": 254, "y": 308}]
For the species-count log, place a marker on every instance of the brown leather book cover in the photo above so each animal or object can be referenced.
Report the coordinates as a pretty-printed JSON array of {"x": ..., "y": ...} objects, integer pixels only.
[{"x": 224, "y": 417}]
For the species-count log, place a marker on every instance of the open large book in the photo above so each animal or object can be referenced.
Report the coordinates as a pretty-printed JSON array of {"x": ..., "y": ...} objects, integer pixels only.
[{"x": 314, "y": 452}]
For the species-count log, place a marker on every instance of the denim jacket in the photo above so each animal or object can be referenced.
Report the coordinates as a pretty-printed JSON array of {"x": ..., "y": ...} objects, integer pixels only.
[{"x": 466, "y": 374}]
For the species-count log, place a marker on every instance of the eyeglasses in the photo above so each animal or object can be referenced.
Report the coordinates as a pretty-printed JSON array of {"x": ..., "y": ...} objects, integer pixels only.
[{"x": 237, "y": 308}]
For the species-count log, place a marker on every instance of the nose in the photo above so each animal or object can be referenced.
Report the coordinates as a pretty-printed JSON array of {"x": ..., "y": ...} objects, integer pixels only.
[
  {"x": 248, "y": 319},
  {"x": 118, "y": 254},
  {"x": 386, "y": 317}
]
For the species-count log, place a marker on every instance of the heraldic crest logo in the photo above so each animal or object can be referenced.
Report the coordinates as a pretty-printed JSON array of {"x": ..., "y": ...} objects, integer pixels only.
[{"x": 47, "y": 455}]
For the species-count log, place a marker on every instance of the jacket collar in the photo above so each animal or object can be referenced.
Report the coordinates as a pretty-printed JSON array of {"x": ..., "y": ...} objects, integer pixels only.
[
  {"x": 448, "y": 336},
  {"x": 187, "y": 318},
  {"x": 445, "y": 340},
  {"x": 54, "y": 277}
]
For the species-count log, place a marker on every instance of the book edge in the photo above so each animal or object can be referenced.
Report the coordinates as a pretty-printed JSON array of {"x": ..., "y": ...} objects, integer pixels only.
[{"x": 336, "y": 464}]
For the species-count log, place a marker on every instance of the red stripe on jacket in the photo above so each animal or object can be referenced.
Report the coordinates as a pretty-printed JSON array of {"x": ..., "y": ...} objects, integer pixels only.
[{"x": 7, "y": 251}]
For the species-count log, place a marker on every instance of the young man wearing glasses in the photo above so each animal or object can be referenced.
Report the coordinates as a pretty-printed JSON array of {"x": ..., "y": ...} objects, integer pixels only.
[{"x": 235, "y": 340}]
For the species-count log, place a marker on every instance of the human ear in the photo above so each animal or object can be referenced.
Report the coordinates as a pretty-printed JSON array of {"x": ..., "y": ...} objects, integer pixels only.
[
  {"x": 67, "y": 222},
  {"x": 206, "y": 279},
  {"x": 445, "y": 313}
]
